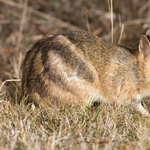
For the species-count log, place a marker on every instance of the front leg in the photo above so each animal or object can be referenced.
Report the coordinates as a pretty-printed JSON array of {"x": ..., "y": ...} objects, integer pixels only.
[{"x": 138, "y": 107}]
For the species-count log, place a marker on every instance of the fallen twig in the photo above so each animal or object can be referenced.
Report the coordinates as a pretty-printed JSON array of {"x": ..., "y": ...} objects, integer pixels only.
[
  {"x": 41, "y": 14},
  {"x": 9, "y": 80}
]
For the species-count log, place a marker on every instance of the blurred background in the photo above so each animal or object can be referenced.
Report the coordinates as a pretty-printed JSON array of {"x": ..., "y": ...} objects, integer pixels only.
[{"x": 23, "y": 22}]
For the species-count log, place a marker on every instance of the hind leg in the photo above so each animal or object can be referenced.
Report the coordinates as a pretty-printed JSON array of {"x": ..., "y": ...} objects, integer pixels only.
[
  {"x": 74, "y": 92},
  {"x": 138, "y": 107}
]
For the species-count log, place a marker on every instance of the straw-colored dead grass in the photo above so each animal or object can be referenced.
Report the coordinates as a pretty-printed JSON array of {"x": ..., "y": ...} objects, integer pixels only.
[{"x": 71, "y": 127}]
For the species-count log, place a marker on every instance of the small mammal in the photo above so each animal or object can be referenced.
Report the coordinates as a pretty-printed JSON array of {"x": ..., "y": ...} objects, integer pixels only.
[{"x": 79, "y": 66}]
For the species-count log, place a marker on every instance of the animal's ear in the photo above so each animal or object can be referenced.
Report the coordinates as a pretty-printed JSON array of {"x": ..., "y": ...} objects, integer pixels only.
[{"x": 144, "y": 46}]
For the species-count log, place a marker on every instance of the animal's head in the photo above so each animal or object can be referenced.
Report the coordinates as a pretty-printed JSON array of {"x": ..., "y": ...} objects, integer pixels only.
[{"x": 144, "y": 49}]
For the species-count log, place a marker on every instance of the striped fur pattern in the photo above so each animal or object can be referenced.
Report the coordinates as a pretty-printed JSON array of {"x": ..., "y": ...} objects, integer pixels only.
[{"x": 81, "y": 67}]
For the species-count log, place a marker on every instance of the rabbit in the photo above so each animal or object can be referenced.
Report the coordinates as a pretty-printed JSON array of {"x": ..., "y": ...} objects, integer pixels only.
[{"x": 81, "y": 67}]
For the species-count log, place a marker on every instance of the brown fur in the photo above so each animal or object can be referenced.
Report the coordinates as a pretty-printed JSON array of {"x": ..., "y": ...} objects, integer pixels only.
[{"x": 79, "y": 66}]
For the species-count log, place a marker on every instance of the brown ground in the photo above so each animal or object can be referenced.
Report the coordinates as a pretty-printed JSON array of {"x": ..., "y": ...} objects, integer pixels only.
[{"x": 21, "y": 25}]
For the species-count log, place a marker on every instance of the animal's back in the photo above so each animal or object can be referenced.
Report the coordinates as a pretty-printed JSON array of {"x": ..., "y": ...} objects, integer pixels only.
[{"x": 59, "y": 67}]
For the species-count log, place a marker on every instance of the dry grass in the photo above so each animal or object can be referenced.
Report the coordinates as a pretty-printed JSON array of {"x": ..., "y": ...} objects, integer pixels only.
[
  {"x": 22, "y": 126},
  {"x": 71, "y": 127}
]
